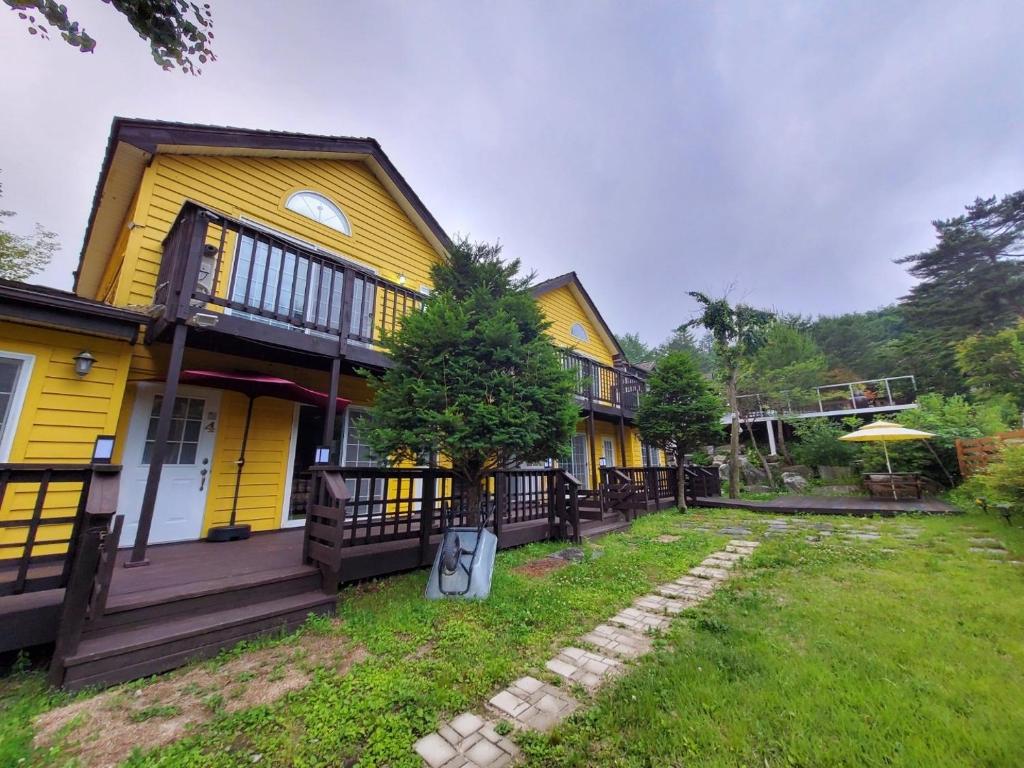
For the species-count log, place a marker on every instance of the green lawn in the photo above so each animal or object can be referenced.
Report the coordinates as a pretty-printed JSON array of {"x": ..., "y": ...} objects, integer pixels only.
[{"x": 836, "y": 652}]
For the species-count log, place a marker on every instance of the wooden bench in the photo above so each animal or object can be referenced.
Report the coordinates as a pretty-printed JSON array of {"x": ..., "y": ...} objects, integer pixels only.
[{"x": 905, "y": 485}]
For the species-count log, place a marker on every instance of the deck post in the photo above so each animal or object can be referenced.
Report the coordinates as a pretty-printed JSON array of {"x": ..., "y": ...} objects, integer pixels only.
[
  {"x": 427, "y": 504},
  {"x": 592, "y": 440},
  {"x": 156, "y": 461},
  {"x": 331, "y": 409},
  {"x": 552, "y": 494},
  {"x": 623, "y": 461},
  {"x": 772, "y": 451},
  {"x": 500, "y": 503}
]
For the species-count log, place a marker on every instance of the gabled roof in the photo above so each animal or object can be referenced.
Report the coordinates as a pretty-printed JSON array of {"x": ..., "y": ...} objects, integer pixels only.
[
  {"x": 134, "y": 142},
  {"x": 572, "y": 281}
]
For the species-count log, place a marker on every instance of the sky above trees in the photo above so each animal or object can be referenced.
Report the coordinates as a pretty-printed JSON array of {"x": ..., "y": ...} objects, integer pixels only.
[{"x": 789, "y": 151}]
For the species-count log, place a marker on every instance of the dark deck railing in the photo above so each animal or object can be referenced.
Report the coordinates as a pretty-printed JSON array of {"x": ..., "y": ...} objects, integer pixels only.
[
  {"x": 230, "y": 266},
  {"x": 392, "y": 504},
  {"x": 880, "y": 394},
  {"x": 607, "y": 386},
  {"x": 40, "y": 533}
]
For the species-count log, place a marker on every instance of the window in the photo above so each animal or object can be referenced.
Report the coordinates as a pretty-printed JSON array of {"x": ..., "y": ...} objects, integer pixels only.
[
  {"x": 186, "y": 424},
  {"x": 315, "y": 206},
  {"x": 578, "y": 460},
  {"x": 356, "y": 452},
  {"x": 653, "y": 455},
  {"x": 14, "y": 375},
  {"x": 608, "y": 447},
  {"x": 579, "y": 332}
]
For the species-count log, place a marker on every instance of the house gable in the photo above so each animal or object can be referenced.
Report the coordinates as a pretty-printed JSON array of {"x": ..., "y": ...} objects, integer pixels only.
[
  {"x": 566, "y": 304},
  {"x": 151, "y": 168}
]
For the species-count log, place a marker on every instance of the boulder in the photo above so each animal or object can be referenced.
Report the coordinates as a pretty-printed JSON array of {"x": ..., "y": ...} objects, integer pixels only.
[
  {"x": 758, "y": 489},
  {"x": 794, "y": 482},
  {"x": 799, "y": 469}
]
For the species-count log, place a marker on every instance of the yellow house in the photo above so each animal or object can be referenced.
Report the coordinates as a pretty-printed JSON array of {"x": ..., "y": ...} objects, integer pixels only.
[{"x": 269, "y": 253}]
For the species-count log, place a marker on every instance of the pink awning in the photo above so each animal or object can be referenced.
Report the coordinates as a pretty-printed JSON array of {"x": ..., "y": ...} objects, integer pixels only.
[{"x": 258, "y": 385}]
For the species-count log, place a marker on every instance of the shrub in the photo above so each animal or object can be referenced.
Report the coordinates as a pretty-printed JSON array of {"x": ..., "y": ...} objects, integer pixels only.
[
  {"x": 818, "y": 445},
  {"x": 1003, "y": 479}
]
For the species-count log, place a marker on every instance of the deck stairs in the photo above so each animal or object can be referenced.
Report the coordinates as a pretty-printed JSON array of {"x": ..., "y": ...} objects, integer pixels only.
[{"x": 158, "y": 630}]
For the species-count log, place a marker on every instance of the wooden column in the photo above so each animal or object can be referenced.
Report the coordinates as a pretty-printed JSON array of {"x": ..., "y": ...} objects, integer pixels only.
[
  {"x": 331, "y": 409},
  {"x": 623, "y": 461},
  {"x": 592, "y": 439},
  {"x": 156, "y": 460}
]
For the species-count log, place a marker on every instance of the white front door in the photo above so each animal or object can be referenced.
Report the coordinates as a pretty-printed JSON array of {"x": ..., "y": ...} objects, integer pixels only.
[{"x": 181, "y": 499}]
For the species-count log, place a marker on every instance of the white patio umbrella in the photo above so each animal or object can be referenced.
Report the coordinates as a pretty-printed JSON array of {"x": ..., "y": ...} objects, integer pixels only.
[{"x": 886, "y": 432}]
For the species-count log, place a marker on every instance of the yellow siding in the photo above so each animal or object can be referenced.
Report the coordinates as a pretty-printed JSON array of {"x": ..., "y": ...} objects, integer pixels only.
[
  {"x": 383, "y": 237},
  {"x": 61, "y": 416},
  {"x": 561, "y": 307}
]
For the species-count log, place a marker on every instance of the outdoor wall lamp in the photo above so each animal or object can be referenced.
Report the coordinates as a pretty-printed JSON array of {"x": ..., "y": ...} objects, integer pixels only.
[
  {"x": 323, "y": 455},
  {"x": 103, "y": 449},
  {"x": 603, "y": 462},
  {"x": 401, "y": 278},
  {"x": 83, "y": 362}
]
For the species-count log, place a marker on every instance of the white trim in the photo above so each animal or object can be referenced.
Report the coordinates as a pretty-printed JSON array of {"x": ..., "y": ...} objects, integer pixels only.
[
  {"x": 346, "y": 228},
  {"x": 286, "y": 505},
  {"x": 17, "y": 403}
]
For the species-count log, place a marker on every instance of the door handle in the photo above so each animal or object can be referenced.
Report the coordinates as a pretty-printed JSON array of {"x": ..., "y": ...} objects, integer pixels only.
[{"x": 202, "y": 478}]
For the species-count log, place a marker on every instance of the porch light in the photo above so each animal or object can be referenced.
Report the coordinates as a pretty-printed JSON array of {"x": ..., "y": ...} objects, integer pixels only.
[
  {"x": 83, "y": 362},
  {"x": 401, "y": 278},
  {"x": 602, "y": 462},
  {"x": 323, "y": 455},
  {"x": 548, "y": 463},
  {"x": 103, "y": 449}
]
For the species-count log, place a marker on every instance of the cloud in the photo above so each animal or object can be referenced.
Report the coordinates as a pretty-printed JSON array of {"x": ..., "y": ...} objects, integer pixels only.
[{"x": 791, "y": 149}]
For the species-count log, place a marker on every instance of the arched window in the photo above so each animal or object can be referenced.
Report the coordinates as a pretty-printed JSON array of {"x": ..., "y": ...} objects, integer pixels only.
[
  {"x": 315, "y": 206},
  {"x": 579, "y": 332}
]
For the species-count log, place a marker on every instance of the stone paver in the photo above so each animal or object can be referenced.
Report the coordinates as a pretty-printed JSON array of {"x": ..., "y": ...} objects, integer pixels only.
[
  {"x": 471, "y": 741},
  {"x": 667, "y": 539},
  {"x": 639, "y": 621},
  {"x": 991, "y": 551},
  {"x": 617, "y": 641},
  {"x": 535, "y": 705},
  {"x": 584, "y": 667},
  {"x": 711, "y": 574}
]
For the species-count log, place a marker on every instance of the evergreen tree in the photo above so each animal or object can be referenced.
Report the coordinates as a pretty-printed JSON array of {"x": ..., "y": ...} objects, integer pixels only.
[
  {"x": 680, "y": 411},
  {"x": 475, "y": 378},
  {"x": 972, "y": 281},
  {"x": 993, "y": 364},
  {"x": 636, "y": 350}
]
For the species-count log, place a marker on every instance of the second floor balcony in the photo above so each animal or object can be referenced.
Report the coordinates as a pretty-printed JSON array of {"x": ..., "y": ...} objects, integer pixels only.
[
  {"x": 893, "y": 393},
  {"x": 608, "y": 389},
  {"x": 241, "y": 279}
]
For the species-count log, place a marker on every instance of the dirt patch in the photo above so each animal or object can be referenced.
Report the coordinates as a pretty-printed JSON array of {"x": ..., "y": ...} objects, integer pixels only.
[
  {"x": 541, "y": 567},
  {"x": 102, "y": 730}
]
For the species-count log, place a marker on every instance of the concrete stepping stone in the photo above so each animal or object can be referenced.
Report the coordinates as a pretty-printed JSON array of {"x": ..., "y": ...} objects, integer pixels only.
[
  {"x": 639, "y": 621},
  {"x": 666, "y": 538},
  {"x": 987, "y": 541},
  {"x": 990, "y": 551},
  {"x": 681, "y": 593},
  {"x": 711, "y": 574},
  {"x": 468, "y": 741},
  {"x": 743, "y": 544},
  {"x": 617, "y": 641},
  {"x": 734, "y": 531},
  {"x": 714, "y": 561},
  {"x": 533, "y": 705},
  {"x": 862, "y": 535},
  {"x": 660, "y": 604},
  {"x": 584, "y": 667}
]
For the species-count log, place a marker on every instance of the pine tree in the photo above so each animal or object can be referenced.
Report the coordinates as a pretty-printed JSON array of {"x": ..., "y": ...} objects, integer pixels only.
[
  {"x": 475, "y": 379},
  {"x": 680, "y": 411}
]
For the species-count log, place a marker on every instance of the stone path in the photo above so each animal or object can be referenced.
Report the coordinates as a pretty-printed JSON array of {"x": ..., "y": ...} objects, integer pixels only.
[{"x": 474, "y": 741}]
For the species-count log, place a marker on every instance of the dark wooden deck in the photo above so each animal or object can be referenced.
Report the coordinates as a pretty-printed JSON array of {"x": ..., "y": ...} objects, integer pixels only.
[{"x": 860, "y": 506}]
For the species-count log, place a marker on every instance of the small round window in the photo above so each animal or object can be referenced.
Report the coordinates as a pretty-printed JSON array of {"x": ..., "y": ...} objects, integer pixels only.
[
  {"x": 315, "y": 206},
  {"x": 579, "y": 332}
]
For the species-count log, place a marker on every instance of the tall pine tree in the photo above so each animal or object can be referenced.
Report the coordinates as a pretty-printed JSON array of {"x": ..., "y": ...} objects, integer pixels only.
[{"x": 972, "y": 281}]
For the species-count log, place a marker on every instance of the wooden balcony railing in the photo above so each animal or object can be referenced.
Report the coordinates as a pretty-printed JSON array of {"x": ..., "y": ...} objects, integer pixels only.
[
  {"x": 607, "y": 386},
  {"x": 218, "y": 265}
]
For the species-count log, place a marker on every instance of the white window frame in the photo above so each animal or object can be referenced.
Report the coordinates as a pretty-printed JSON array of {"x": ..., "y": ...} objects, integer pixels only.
[
  {"x": 347, "y": 224},
  {"x": 582, "y": 335},
  {"x": 608, "y": 451},
  {"x": 17, "y": 403}
]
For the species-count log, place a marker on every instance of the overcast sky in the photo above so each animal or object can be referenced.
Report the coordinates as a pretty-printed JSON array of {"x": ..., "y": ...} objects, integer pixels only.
[{"x": 788, "y": 150}]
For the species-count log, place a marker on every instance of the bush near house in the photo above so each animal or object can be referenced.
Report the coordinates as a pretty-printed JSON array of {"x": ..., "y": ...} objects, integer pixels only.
[{"x": 818, "y": 445}]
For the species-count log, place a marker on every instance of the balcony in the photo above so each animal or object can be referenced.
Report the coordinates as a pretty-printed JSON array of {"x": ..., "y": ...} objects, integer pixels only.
[
  {"x": 238, "y": 278},
  {"x": 893, "y": 393},
  {"x": 605, "y": 389}
]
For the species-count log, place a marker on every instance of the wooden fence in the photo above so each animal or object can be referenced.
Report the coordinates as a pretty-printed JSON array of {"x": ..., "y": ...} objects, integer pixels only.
[{"x": 975, "y": 454}]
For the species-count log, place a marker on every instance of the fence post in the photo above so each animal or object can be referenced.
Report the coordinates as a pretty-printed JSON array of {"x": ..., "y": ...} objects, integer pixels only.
[
  {"x": 563, "y": 508},
  {"x": 76, "y": 600},
  {"x": 551, "y": 481},
  {"x": 427, "y": 505},
  {"x": 500, "y": 503}
]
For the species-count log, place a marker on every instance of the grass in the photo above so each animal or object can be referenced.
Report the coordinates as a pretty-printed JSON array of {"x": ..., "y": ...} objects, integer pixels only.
[
  {"x": 890, "y": 652},
  {"x": 426, "y": 661},
  {"x": 834, "y": 653}
]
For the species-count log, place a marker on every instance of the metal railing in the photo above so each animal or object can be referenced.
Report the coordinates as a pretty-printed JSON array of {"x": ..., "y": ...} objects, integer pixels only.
[
  {"x": 889, "y": 392},
  {"x": 226, "y": 265}
]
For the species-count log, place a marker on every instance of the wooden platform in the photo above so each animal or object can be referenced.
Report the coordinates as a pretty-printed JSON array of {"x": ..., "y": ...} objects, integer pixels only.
[{"x": 860, "y": 506}]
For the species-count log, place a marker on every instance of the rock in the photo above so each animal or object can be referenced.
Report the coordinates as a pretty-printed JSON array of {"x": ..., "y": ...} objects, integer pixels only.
[
  {"x": 834, "y": 473},
  {"x": 723, "y": 471},
  {"x": 759, "y": 488},
  {"x": 719, "y": 458},
  {"x": 794, "y": 482},
  {"x": 572, "y": 554},
  {"x": 799, "y": 469}
]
